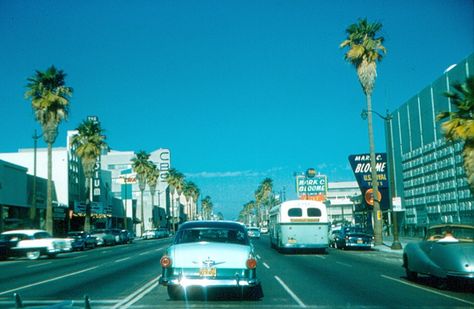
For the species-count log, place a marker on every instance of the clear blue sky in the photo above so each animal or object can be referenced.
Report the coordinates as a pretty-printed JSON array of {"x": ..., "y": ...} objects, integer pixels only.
[{"x": 237, "y": 90}]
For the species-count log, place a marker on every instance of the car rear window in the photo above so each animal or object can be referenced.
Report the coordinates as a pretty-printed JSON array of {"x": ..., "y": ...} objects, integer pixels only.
[{"x": 211, "y": 235}]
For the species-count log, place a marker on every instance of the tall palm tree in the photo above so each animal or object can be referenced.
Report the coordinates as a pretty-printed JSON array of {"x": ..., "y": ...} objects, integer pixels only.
[
  {"x": 175, "y": 180},
  {"x": 247, "y": 212},
  {"x": 191, "y": 192},
  {"x": 364, "y": 51},
  {"x": 207, "y": 206},
  {"x": 262, "y": 195},
  {"x": 50, "y": 102},
  {"x": 141, "y": 166},
  {"x": 152, "y": 179},
  {"x": 88, "y": 144},
  {"x": 460, "y": 123}
]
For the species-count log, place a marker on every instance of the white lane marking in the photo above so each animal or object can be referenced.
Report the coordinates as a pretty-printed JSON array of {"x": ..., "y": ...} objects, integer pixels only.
[
  {"x": 137, "y": 295},
  {"x": 37, "y": 265},
  {"x": 49, "y": 280},
  {"x": 428, "y": 290},
  {"x": 289, "y": 291},
  {"x": 321, "y": 257},
  {"x": 121, "y": 260},
  {"x": 258, "y": 257},
  {"x": 344, "y": 264},
  {"x": 79, "y": 257},
  {"x": 266, "y": 265}
]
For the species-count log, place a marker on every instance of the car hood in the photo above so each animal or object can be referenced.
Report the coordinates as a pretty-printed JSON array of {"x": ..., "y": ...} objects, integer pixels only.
[{"x": 219, "y": 255}]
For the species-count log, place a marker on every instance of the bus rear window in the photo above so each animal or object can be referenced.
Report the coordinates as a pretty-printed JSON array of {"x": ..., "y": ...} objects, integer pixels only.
[
  {"x": 295, "y": 212},
  {"x": 314, "y": 212}
]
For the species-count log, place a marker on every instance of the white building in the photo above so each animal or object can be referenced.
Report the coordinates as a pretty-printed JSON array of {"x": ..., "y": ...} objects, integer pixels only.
[{"x": 341, "y": 197}]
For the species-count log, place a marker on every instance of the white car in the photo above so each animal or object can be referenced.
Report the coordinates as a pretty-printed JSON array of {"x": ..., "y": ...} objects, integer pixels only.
[
  {"x": 35, "y": 243},
  {"x": 210, "y": 255}
]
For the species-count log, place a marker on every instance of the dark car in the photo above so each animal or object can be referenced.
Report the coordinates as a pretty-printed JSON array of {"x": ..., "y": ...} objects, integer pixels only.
[
  {"x": 446, "y": 252},
  {"x": 353, "y": 237},
  {"x": 82, "y": 240}
]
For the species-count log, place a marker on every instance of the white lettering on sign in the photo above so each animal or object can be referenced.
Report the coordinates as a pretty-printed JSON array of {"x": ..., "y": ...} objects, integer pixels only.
[
  {"x": 359, "y": 158},
  {"x": 365, "y": 167}
]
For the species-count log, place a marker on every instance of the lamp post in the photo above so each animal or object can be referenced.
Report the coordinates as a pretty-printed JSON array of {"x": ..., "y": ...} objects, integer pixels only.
[{"x": 396, "y": 245}]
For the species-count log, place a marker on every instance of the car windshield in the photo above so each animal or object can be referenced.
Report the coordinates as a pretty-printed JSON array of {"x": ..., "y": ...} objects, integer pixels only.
[
  {"x": 459, "y": 233},
  {"x": 221, "y": 235}
]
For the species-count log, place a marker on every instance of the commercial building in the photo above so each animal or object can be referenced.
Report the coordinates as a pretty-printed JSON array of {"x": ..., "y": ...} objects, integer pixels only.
[
  {"x": 113, "y": 201},
  {"x": 428, "y": 170}
]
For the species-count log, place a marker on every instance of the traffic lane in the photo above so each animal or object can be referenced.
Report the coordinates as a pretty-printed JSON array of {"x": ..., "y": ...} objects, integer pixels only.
[
  {"x": 341, "y": 280},
  {"x": 96, "y": 278},
  {"x": 16, "y": 270}
]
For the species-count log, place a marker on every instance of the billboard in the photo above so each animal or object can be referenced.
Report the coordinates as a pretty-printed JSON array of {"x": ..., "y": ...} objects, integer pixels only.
[
  {"x": 360, "y": 164},
  {"x": 311, "y": 187}
]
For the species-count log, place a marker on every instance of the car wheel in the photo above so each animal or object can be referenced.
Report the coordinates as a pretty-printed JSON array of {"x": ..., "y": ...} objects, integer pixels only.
[
  {"x": 174, "y": 292},
  {"x": 33, "y": 255},
  {"x": 411, "y": 275}
]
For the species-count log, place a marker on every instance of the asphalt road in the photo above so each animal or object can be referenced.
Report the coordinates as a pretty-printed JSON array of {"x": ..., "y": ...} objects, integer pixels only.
[{"x": 126, "y": 277}]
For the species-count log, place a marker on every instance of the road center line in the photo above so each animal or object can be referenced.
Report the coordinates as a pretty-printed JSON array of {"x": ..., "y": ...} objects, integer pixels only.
[
  {"x": 49, "y": 280},
  {"x": 428, "y": 290},
  {"x": 266, "y": 265},
  {"x": 37, "y": 265},
  {"x": 121, "y": 260},
  {"x": 289, "y": 291},
  {"x": 137, "y": 295},
  {"x": 344, "y": 264}
]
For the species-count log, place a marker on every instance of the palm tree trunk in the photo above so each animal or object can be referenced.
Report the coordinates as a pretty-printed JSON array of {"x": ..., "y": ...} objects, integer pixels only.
[
  {"x": 49, "y": 201},
  {"x": 142, "y": 225},
  {"x": 87, "y": 219},
  {"x": 377, "y": 214}
]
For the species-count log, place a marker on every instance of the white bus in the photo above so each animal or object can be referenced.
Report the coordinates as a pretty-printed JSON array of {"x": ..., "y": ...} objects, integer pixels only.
[{"x": 299, "y": 224}]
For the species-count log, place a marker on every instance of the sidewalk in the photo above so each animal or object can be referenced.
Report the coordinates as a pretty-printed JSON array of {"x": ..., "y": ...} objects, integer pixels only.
[{"x": 388, "y": 240}]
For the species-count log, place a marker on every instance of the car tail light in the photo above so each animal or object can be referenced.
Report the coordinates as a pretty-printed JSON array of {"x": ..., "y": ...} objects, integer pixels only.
[
  {"x": 165, "y": 261},
  {"x": 251, "y": 263}
]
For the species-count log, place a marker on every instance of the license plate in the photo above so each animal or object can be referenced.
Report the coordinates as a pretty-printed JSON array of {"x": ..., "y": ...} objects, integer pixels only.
[
  {"x": 207, "y": 272},
  {"x": 360, "y": 241}
]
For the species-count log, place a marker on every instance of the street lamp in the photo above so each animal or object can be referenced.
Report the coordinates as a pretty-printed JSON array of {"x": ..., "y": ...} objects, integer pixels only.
[{"x": 396, "y": 245}]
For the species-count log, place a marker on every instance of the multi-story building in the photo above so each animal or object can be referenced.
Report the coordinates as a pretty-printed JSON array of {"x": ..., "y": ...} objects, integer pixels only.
[
  {"x": 429, "y": 176},
  {"x": 342, "y": 200}
]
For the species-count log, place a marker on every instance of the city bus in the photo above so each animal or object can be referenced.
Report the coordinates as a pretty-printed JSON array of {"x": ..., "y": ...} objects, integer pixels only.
[{"x": 299, "y": 224}]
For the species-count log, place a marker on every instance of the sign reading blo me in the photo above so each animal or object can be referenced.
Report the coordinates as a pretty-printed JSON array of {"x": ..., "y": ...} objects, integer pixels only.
[{"x": 360, "y": 164}]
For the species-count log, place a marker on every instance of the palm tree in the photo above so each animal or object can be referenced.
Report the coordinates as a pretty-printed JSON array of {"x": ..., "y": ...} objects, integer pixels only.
[
  {"x": 152, "y": 179},
  {"x": 206, "y": 207},
  {"x": 50, "y": 101},
  {"x": 191, "y": 192},
  {"x": 247, "y": 212},
  {"x": 262, "y": 195},
  {"x": 141, "y": 166},
  {"x": 365, "y": 49},
  {"x": 460, "y": 124},
  {"x": 175, "y": 181},
  {"x": 88, "y": 144}
]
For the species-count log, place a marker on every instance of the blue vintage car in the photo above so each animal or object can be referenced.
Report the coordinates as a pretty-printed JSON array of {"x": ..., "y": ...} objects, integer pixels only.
[
  {"x": 446, "y": 252},
  {"x": 210, "y": 254}
]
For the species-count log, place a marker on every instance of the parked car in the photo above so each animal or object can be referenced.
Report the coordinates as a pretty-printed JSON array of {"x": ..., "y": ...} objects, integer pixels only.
[
  {"x": 104, "y": 237},
  {"x": 150, "y": 234},
  {"x": 82, "y": 240},
  {"x": 127, "y": 236},
  {"x": 353, "y": 237},
  {"x": 264, "y": 230},
  {"x": 119, "y": 235},
  {"x": 210, "y": 254},
  {"x": 253, "y": 232},
  {"x": 446, "y": 252},
  {"x": 163, "y": 233},
  {"x": 33, "y": 244},
  {"x": 332, "y": 236}
]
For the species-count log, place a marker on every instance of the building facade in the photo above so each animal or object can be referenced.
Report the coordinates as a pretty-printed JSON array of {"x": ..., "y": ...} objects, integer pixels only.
[
  {"x": 343, "y": 199},
  {"x": 428, "y": 171}
]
